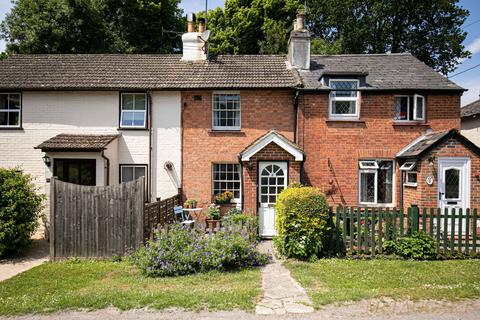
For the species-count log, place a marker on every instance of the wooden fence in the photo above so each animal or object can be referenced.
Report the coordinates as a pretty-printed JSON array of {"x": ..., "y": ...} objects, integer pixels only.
[
  {"x": 159, "y": 214},
  {"x": 363, "y": 230},
  {"x": 95, "y": 221}
]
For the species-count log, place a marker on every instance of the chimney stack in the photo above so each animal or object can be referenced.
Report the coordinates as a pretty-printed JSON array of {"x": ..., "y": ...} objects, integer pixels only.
[
  {"x": 194, "y": 43},
  {"x": 299, "y": 44}
]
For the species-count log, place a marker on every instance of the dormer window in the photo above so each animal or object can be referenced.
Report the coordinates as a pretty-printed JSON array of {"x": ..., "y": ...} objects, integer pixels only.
[
  {"x": 344, "y": 99},
  {"x": 409, "y": 108}
]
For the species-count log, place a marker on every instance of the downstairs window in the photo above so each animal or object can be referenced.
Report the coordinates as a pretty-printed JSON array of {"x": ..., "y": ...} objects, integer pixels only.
[{"x": 376, "y": 182}]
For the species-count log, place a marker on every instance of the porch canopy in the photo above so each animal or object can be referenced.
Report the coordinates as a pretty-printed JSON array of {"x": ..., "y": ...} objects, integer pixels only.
[
  {"x": 272, "y": 136},
  {"x": 77, "y": 143}
]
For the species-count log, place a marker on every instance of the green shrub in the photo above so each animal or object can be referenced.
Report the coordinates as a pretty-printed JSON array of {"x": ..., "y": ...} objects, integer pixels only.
[
  {"x": 249, "y": 222},
  {"x": 301, "y": 222},
  {"x": 20, "y": 209},
  {"x": 213, "y": 212},
  {"x": 419, "y": 246},
  {"x": 180, "y": 250}
]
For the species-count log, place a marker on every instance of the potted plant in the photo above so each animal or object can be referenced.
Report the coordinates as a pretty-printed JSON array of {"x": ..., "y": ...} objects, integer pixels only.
[
  {"x": 213, "y": 217},
  {"x": 224, "y": 197},
  {"x": 190, "y": 204}
]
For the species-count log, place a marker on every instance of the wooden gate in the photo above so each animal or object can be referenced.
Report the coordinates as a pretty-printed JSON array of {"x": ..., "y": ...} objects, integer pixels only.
[{"x": 95, "y": 222}]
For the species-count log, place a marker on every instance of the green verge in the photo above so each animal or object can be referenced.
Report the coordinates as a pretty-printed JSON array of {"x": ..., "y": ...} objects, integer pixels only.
[
  {"x": 340, "y": 280},
  {"x": 93, "y": 285}
]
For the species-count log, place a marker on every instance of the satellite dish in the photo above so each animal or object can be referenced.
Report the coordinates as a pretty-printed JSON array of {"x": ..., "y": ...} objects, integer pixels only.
[{"x": 205, "y": 35}]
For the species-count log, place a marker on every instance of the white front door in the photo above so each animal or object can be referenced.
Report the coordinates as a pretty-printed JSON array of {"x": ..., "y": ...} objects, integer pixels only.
[
  {"x": 272, "y": 177},
  {"x": 453, "y": 188}
]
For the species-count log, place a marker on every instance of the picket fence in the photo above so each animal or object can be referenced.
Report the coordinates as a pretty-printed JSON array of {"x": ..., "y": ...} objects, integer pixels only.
[{"x": 363, "y": 230}]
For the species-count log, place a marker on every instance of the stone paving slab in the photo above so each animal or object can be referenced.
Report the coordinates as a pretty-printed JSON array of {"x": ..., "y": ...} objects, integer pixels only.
[{"x": 281, "y": 293}]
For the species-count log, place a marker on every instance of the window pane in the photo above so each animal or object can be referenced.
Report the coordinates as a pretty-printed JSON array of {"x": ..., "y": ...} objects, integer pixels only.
[
  {"x": 127, "y": 102},
  {"x": 14, "y": 100},
  {"x": 345, "y": 88},
  {"x": 128, "y": 118},
  {"x": 411, "y": 177},
  {"x": 127, "y": 174},
  {"x": 139, "y": 119},
  {"x": 385, "y": 183},
  {"x": 367, "y": 187},
  {"x": 344, "y": 107},
  {"x": 140, "y": 102},
  {"x": 401, "y": 108},
  {"x": 3, "y": 101},
  {"x": 3, "y": 118},
  {"x": 139, "y": 172},
  {"x": 419, "y": 114},
  {"x": 452, "y": 184},
  {"x": 14, "y": 118}
]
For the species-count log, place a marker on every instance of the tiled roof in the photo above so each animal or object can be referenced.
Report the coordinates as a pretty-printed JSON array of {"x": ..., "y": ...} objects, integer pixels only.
[
  {"x": 133, "y": 71},
  {"x": 77, "y": 142},
  {"x": 471, "y": 109},
  {"x": 383, "y": 72},
  {"x": 268, "y": 138},
  {"x": 425, "y": 143}
]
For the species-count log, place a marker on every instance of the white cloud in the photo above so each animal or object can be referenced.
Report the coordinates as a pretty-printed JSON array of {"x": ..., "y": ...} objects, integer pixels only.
[
  {"x": 474, "y": 47},
  {"x": 473, "y": 86}
]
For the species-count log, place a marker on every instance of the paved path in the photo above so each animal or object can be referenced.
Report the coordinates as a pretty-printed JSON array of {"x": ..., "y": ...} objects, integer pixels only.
[
  {"x": 34, "y": 256},
  {"x": 281, "y": 293}
]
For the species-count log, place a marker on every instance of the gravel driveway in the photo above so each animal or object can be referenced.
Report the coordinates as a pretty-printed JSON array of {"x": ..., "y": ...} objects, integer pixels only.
[{"x": 367, "y": 309}]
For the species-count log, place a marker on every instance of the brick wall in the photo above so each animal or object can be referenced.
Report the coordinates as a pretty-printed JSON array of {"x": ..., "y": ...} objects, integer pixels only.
[
  {"x": 271, "y": 152},
  {"x": 261, "y": 111},
  {"x": 333, "y": 148}
]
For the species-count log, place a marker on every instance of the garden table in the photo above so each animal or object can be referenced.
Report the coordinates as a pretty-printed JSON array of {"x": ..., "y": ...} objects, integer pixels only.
[{"x": 196, "y": 214}]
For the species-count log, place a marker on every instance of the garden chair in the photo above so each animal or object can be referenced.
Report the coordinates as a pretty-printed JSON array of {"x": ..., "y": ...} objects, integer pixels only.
[{"x": 182, "y": 217}]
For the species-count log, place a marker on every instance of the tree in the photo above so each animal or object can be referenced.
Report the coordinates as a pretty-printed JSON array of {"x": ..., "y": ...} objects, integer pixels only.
[
  {"x": 91, "y": 26},
  {"x": 429, "y": 29}
]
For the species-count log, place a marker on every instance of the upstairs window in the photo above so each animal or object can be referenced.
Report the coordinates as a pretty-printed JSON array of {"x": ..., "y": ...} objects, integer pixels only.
[
  {"x": 344, "y": 99},
  {"x": 10, "y": 110},
  {"x": 376, "y": 182},
  {"x": 226, "y": 111},
  {"x": 133, "y": 110},
  {"x": 409, "y": 108}
]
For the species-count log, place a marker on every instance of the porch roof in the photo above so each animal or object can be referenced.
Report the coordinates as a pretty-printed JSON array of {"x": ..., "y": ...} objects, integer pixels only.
[
  {"x": 78, "y": 142},
  {"x": 420, "y": 146},
  {"x": 278, "y": 139}
]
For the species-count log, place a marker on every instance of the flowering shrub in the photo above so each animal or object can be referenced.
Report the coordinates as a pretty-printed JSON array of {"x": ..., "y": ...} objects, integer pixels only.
[
  {"x": 224, "y": 197},
  {"x": 181, "y": 250},
  {"x": 213, "y": 212},
  {"x": 302, "y": 223}
]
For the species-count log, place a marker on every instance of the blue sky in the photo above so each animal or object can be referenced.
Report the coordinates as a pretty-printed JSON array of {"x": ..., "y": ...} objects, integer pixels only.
[{"x": 469, "y": 80}]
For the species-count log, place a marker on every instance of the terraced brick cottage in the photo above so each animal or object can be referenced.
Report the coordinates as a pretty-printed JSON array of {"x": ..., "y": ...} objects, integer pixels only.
[{"x": 369, "y": 130}]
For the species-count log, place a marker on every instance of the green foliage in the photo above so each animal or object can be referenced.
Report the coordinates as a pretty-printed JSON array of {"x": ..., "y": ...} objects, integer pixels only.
[
  {"x": 181, "y": 250},
  {"x": 301, "y": 222},
  {"x": 213, "y": 212},
  {"x": 190, "y": 203},
  {"x": 237, "y": 217},
  {"x": 92, "y": 26},
  {"x": 224, "y": 197},
  {"x": 20, "y": 209},
  {"x": 419, "y": 246}
]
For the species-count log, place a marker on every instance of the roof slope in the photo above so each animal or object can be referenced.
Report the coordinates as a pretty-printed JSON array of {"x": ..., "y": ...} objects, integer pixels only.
[
  {"x": 471, "y": 109},
  {"x": 133, "y": 71},
  {"x": 384, "y": 71},
  {"x": 77, "y": 142}
]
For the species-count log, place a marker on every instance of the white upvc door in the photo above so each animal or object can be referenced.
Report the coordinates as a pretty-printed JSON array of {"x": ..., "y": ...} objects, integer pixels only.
[
  {"x": 272, "y": 179},
  {"x": 453, "y": 188}
]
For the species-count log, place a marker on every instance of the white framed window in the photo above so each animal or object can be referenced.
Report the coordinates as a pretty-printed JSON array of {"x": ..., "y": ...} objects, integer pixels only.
[
  {"x": 376, "y": 184},
  {"x": 344, "y": 99},
  {"x": 133, "y": 112},
  {"x": 226, "y": 113},
  {"x": 10, "y": 110},
  {"x": 409, "y": 108},
  {"x": 408, "y": 166},
  {"x": 410, "y": 169},
  {"x": 368, "y": 165},
  {"x": 226, "y": 177},
  {"x": 131, "y": 172}
]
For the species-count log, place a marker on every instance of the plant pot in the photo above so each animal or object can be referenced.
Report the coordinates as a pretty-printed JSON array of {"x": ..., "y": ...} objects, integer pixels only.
[
  {"x": 213, "y": 225},
  {"x": 224, "y": 208}
]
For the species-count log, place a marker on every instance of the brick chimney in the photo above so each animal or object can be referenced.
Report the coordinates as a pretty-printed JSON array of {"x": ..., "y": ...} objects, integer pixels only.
[
  {"x": 299, "y": 44},
  {"x": 194, "y": 43}
]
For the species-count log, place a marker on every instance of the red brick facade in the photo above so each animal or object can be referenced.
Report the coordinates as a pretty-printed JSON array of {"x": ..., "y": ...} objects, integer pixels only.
[{"x": 333, "y": 148}]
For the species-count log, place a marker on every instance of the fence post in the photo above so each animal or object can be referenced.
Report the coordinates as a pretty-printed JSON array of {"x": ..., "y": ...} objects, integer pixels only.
[
  {"x": 52, "y": 235},
  {"x": 474, "y": 229}
]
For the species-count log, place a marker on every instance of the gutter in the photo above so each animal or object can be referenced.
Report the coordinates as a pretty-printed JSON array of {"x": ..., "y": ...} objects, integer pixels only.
[{"x": 107, "y": 160}]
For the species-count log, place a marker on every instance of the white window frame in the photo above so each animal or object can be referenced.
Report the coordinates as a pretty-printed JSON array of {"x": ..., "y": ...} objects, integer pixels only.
[
  {"x": 133, "y": 110},
  {"x": 122, "y": 166},
  {"x": 409, "y": 183},
  {"x": 375, "y": 171},
  {"x": 227, "y": 128},
  {"x": 368, "y": 165},
  {"x": 332, "y": 99},
  {"x": 414, "y": 117},
  {"x": 19, "y": 111},
  {"x": 234, "y": 200},
  {"x": 408, "y": 166}
]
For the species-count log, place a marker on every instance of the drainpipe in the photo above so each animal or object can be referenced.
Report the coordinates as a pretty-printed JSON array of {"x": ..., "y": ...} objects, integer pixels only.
[
  {"x": 401, "y": 189},
  {"x": 295, "y": 115},
  {"x": 150, "y": 161},
  {"x": 107, "y": 160}
]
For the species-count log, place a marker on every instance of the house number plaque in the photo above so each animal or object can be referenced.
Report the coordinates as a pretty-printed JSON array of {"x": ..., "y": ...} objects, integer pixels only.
[{"x": 430, "y": 180}]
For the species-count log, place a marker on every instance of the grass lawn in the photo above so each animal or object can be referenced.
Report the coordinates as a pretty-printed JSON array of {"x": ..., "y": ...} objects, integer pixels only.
[
  {"x": 97, "y": 285},
  {"x": 339, "y": 280}
]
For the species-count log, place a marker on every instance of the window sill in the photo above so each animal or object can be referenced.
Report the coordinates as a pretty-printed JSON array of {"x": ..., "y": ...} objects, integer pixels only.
[
  {"x": 132, "y": 129},
  {"x": 410, "y": 185},
  {"x": 11, "y": 129},
  {"x": 345, "y": 121},
  {"x": 411, "y": 123},
  {"x": 383, "y": 205},
  {"x": 239, "y": 132}
]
